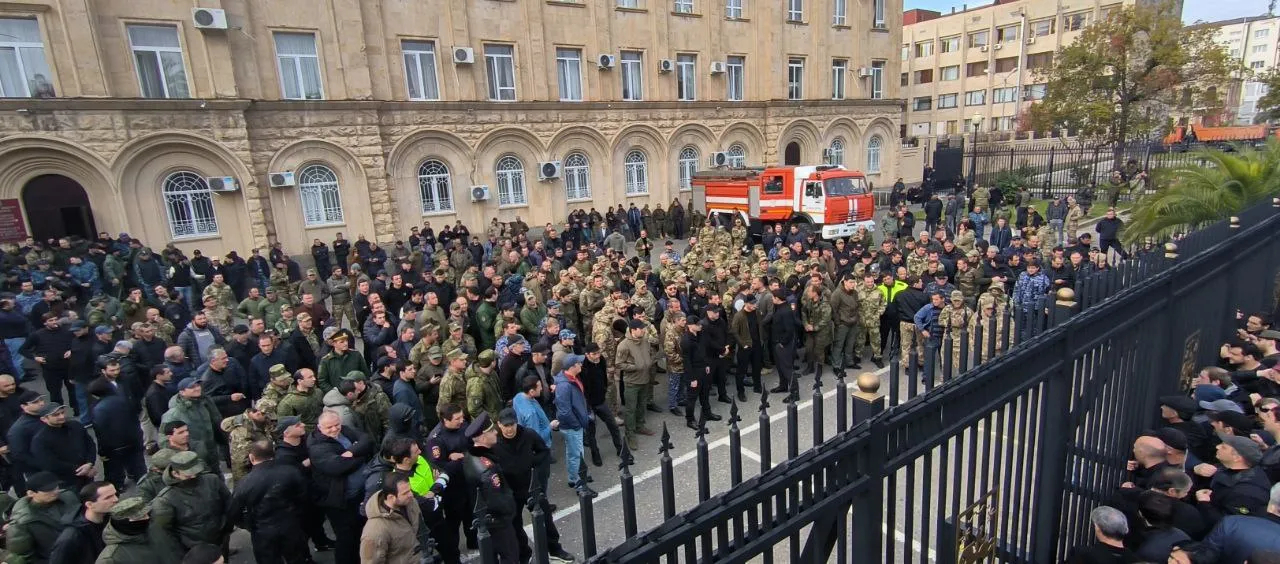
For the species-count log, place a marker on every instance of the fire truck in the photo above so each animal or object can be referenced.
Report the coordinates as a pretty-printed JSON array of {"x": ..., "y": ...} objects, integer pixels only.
[{"x": 827, "y": 199}]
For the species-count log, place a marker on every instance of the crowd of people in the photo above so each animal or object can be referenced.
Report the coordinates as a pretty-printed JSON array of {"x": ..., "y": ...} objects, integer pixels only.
[
  {"x": 1203, "y": 485},
  {"x": 391, "y": 392}
]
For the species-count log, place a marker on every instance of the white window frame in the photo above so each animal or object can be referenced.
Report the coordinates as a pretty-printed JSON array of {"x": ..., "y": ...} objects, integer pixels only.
[
  {"x": 632, "y": 4},
  {"x": 682, "y": 6},
  {"x": 188, "y": 193},
  {"x": 1259, "y": 49},
  {"x": 835, "y": 152},
  {"x": 499, "y": 67},
  {"x": 943, "y": 76},
  {"x": 686, "y": 165},
  {"x": 18, "y": 48},
  {"x": 874, "y": 146},
  {"x": 839, "y": 78},
  {"x": 1008, "y": 33},
  {"x": 321, "y": 196},
  {"x": 569, "y": 73},
  {"x": 953, "y": 98},
  {"x": 298, "y": 61},
  {"x": 922, "y": 103},
  {"x": 1042, "y": 28},
  {"x": 795, "y": 78},
  {"x": 736, "y": 156},
  {"x": 878, "y": 21},
  {"x": 877, "y": 79},
  {"x": 977, "y": 39},
  {"x": 949, "y": 44},
  {"x": 636, "y": 167},
  {"x": 734, "y": 9},
  {"x": 1257, "y": 64},
  {"x": 632, "y": 75},
  {"x": 686, "y": 77},
  {"x": 512, "y": 192},
  {"x": 1261, "y": 33},
  {"x": 1004, "y": 95},
  {"x": 795, "y": 11},
  {"x": 420, "y": 55},
  {"x": 923, "y": 49},
  {"x": 1076, "y": 21},
  {"x": 156, "y": 52},
  {"x": 435, "y": 187},
  {"x": 577, "y": 177},
  {"x": 975, "y": 97},
  {"x": 839, "y": 12},
  {"x": 1035, "y": 91},
  {"x": 735, "y": 78}
]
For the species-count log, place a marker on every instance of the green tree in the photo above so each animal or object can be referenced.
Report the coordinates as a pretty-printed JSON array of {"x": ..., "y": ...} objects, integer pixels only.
[
  {"x": 1269, "y": 103},
  {"x": 1200, "y": 195},
  {"x": 1123, "y": 76}
]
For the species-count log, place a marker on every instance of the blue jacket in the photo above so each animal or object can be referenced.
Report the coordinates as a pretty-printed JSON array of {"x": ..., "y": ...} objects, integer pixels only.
[
  {"x": 1238, "y": 536},
  {"x": 1001, "y": 237},
  {"x": 927, "y": 320},
  {"x": 403, "y": 393},
  {"x": 529, "y": 414},
  {"x": 571, "y": 404}
]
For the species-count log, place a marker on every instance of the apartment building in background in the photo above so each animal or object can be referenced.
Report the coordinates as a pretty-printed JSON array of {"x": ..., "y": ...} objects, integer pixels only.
[
  {"x": 977, "y": 66},
  {"x": 242, "y": 122},
  {"x": 1255, "y": 43}
]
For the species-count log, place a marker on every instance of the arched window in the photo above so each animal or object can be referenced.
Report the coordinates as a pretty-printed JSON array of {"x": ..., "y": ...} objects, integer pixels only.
[
  {"x": 637, "y": 168},
  {"x": 434, "y": 189},
  {"x": 577, "y": 177},
  {"x": 321, "y": 198},
  {"x": 873, "y": 154},
  {"x": 687, "y": 165},
  {"x": 189, "y": 204},
  {"x": 835, "y": 153},
  {"x": 511, "y": 182},
  {"x": 737, "y": 156}
]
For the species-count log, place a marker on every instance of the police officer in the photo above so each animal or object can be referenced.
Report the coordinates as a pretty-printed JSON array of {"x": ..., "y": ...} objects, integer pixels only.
[
  {"x": 447, "y": 445},
  {"x": 495, "y": 499}
]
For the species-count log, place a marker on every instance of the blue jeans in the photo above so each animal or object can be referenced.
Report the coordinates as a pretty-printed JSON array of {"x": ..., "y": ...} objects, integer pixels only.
[
  {"x": 185, "y": 292},
  {"x": 572, "y": 454},
  {"x": 82, "y": 404},
  {"x": 14, "y": 344}
]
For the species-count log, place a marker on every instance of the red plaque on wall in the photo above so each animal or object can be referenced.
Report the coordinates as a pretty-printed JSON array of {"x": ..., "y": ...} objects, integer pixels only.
[{"x": 12, "y": 228}]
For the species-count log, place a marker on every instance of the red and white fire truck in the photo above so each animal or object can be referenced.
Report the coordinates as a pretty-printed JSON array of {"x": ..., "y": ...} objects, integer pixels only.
[{"x": 828, "y": 199}]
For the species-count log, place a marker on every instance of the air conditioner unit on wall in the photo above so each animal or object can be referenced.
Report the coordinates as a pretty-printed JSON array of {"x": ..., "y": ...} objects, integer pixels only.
[
  {"x": 222, "y": 183},
  {"x": 717, "y": 67},
  {"x": 718, "y": 158},
  {"x": 479, "y": 193},
  {"x": 549, "y": 170},
  {"x": 1031, "y": 40},
  {"x": 209, "y": 18},
  {"x": 607, "y": 61},
  {"x": 282, "y": 179},
  {"x": 666, "y": 65},
  {"x": 864, "y": 72},
  {"x": 983, "y": 48},
  {"x": 464, "y": 55}
]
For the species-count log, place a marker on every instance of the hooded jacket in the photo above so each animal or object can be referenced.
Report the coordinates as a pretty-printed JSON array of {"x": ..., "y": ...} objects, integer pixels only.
[
  {"x": 389, "y": 537},
  {"x": 336, "y": 401},
  {"x": 189, "y": 512},
  {"x": 635, "y": 359}
]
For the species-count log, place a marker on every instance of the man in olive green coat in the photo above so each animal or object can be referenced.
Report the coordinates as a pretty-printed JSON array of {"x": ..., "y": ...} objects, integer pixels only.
[
  {"x": 341, "y": 360},
  {"x": 126, "y": 536},
  {"x": 191, "y": 509}
]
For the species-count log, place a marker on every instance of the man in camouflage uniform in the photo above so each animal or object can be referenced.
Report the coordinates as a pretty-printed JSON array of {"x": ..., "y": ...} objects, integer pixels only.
[
  {"x": 603, "y": 334},
  {"x": 460, "y": 340},
  {"x": 218, "y": 315},
  {"x": 784, "y": 266},
  {"x": 646, "y": 220},
  {"x": 738, "y": 236},
  {"x": 988, "y": 321},
  {"x": 221, "y": 292},
  {"x": 371, "y": 406},
  {"x": 283, "y": 286},
  {"x": 917, "y": 261},
  {"x": 1071, "y": 225},
  {"x": 566, "y": 292},
  {"x": 484, "y": 394},
  {"x": 242, "y": 431},
  {"x": 339, "y": 290},
  {"x": 645, "y": 300},
  {"x": 815, "y": 314},
  {"x": 955, "y": 317},
  {"x": 672, "y": 331},
  {"x": 591, "y": 301},
  {"x": 659, "y": 221},
  {"x": 277, "y": 387},
  {"x": 273, "y": 308},
  {"x": 871, "y": 304},
  {"x": 845, "y": 315},
  {"x": 967, "y": 281},
  {"x": 453, "y": 386}
]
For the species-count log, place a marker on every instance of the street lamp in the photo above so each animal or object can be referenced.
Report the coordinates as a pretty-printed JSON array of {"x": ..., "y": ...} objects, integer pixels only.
[{"x": 973, "y": 158}]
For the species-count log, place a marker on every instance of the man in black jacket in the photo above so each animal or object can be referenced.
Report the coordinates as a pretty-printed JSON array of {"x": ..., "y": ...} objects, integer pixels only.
[
  {"x": 268, "y": 503},
  {"x": 119, "y": 434},
  {"x": 81, "y": 542},
  {"x": 291, "y": 450},
  {"x": 446, "y": 447},
  {"x": 336, "y": 453},
  {"x": 697, "y": 371},
  {"x": 715, "y": 338},
  {"x": 63, "y": 447},
  {"x": 225, "y": 382},
  {"x": 50, "y": 347},
  {"x": 494, "y": 498},
  {"x": 520, "y": 452},
  {"x": 782, "y": 334},
  {"x": 20, "y": 435},
  {"x": 933, "y": 213},
  {"x": 906, "y": 304}
]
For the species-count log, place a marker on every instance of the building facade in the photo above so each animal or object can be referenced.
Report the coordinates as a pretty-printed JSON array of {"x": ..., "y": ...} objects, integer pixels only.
[
  {"x": 1255, "y": 43},
  {"x": 978, "y": 66},
  {"x": 372, "y": 116}
]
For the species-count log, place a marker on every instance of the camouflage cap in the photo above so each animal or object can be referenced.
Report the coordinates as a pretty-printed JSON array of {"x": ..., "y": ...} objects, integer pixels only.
[
  {"x": 454, "y": 326},
  {"x": 487, "y": 358},
  {"x": 130, "y": 508},
  {"x": 279, "y": 372},
  {"x": 434, "y": 352},
  {"x": 456, "y": 354},
  {"x": 354, "y": 376},
  {"x": 162, "y": 458},
  {"x": 187, "y": 462},
  {"x": 957, "y": 295}
]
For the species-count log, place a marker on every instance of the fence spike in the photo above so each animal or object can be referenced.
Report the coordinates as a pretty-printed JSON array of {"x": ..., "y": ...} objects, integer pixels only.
[
  {"x": 842, "y": 403},
  {"x": 735, "y": 444},
  {"x": 817, "y": 408},
  {"x": 629, "y": 521},
  {"x": 793, "y": 419}
]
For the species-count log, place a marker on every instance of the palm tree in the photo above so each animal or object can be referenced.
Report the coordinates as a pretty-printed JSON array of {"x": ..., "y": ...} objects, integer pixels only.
[{"x": 1224, "y": 185}]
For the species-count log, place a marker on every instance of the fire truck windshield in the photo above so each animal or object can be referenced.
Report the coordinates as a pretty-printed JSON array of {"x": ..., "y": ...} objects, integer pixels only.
[{"x": 848, "y": 186}]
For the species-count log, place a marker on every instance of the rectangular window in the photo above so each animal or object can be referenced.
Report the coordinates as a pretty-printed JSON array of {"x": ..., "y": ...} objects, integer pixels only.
[
  {"x": 922, "y": 103},
  {"x": 1034, "y": 91},
  {"x": 1259, "y": 49},
  {"x": 299, "y": 66},
  {"x": 157, "y": 54},
  {"x": 950, "y": 73},
  {"x": 683, "y": 7},
  {"x": 839, "y": 9},
  {"x": 500, "y": 65},
  {"x": 1042, "y": 28},
  {"x": 839, "y": 70},
  {"x": 877, "y": 80},
  {"x": 687, "y": 77},
  {"x": 632, "y": 76},
  {"x": 735, "y": 78},
  {"x": 1261, "y": 33},
  {"x": 905, "y": 81},
  {"x": 924, "y": 49},
  {"x": 979, "y": 38},
  {"x": 1002, "y": 123},
  {"x": 1007, "y": 34},
  {"x": 420, "y": 69},
  {"x": 1006, "y": 64},
  {"x": 1076, "y": 21},
  {"x": 906, "y": 52},
  {"x": 634, "y": 4},
  {"x": 1257, "y": 64},
  {"x": 947, "y": 101},
  {"x": 733, "y": 9},
  {"x": 1235, "y": 53},
  {"x": 975, "y": 97},
  {"x": 976, "y": 69},
  {"x": 569, "y": 74},
  {"x": 795, "y": 78},
  {"x": 1004, "y": 95},
  {"x": 795, "y": 10},
  {"x": 949, "y": 44},
  {"x": 24, "y": 73},
  {"x": 877, "y": 8},
  {"x": 924, "y": 76},
  {"x": 953, "y": 127},
  {"x": 1039, "y": 60}
]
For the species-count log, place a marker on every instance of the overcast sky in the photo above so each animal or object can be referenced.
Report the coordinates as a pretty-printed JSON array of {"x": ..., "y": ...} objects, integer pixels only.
[{"x": 1192, "y": 11}]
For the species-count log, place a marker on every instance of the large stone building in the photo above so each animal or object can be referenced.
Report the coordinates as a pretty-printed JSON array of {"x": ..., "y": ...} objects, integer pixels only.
[
  {"x": 387, "y": 112},
  {"x": 1255, "y": 43}
]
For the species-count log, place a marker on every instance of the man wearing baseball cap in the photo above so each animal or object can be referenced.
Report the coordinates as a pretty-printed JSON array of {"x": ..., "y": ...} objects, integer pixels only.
[
  {"x": 485, "y": 477},
  {"x": 573, "y": 415},
  {"x": 30, "y": 534},
  {"x": 1237, "y": 485}
]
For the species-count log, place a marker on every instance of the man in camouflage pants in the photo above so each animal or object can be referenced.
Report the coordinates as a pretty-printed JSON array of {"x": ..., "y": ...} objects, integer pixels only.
[
  {"x": 603, "y": 334},
  {"x": 871, "y": 304}
]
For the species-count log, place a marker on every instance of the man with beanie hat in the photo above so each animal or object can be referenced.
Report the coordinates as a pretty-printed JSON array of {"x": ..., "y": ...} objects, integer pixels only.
[
  {"x": 36, "y": 520},
  {"x": 1237, "y": 486}
]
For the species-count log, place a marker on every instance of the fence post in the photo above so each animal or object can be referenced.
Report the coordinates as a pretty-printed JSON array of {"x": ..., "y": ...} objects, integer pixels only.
[
  {"x": 535, "y": 504},
  {"x": 868, "y": 505},
  {"x": 842, "y": 403},
  {"x": 817, "y": 407},
  {"x": 867, "y": 401},
  {"x": 1047, "y": 192},
  {"x": 668, "y": 485},
  {"x": 629, "y": 524},
  {"x": 1064, "y": 307}
]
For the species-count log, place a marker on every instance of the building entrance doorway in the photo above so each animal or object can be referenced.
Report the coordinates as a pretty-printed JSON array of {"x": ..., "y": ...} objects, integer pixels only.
[
  {"x": 791, "y": 156},
  {"x": 57, "y": 206}
]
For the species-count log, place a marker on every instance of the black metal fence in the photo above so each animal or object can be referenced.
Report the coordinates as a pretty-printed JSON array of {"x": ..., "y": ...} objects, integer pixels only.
[
  {"x": 997, "y": 448},
  {"x": 1057, "y": 168}
]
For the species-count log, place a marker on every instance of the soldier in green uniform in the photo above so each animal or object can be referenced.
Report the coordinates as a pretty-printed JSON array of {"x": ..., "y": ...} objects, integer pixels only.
[
  {"x": 673, "y": 329},
  {"x": 273, "y": 307},
  {"x": 219, "y": 316},
  {"x": 645, "y": 300},
  {"x": 604, "y": 334},
  {"x": 659, "y": 222},
  {"x": 871, "y": 304},
  {"x": 953, "y": 318},
  {"x": 453, "y": 386},
  {"x": 460, "y": 340},
  {"x": 738, "y": 236},
  {"x": 815, "y": 314},
  {"x": 277, "y": 387},
  {"x": 251, "y": 307},
  {"x": 221, "y": 292},
  {"x": 242, "y": 431},
  {"x": 280, "y": 281},
  {"x": 646, "y": 219},
  {"x": 303, "y": 400},
  {"x": 484, "y": 394}
]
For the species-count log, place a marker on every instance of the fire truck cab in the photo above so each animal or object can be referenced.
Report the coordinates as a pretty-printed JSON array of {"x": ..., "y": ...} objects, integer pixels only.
[{"x": 828, "y": 199}]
